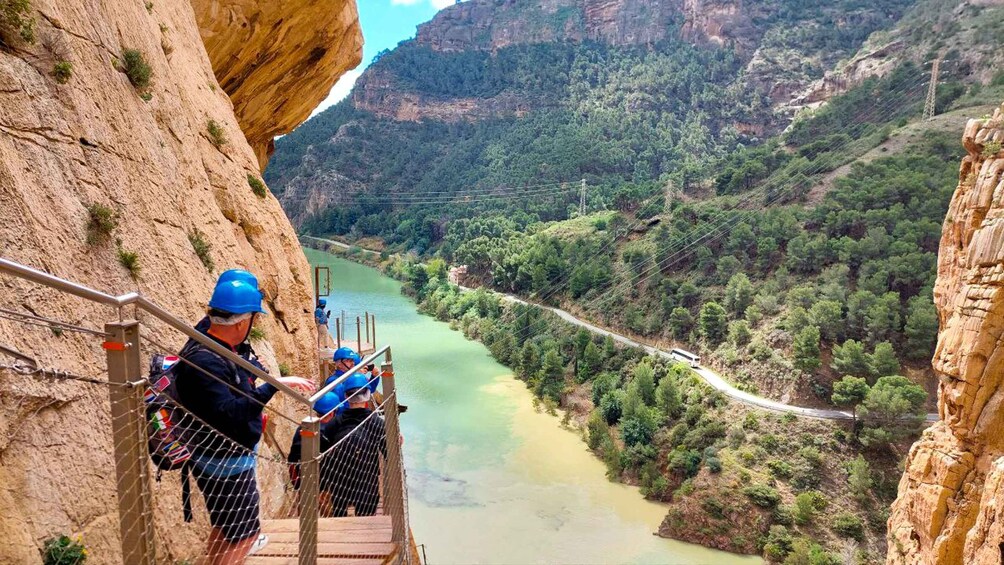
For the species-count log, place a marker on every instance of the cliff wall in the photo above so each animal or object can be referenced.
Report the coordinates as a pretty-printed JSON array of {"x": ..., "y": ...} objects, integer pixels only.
[
  {"x": 148, "y": 154},
  {"x": 951, "y": 498}
]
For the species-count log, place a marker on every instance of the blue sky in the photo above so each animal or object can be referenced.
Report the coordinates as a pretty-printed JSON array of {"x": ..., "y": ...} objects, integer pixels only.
[{"x": 385, "y": 23}]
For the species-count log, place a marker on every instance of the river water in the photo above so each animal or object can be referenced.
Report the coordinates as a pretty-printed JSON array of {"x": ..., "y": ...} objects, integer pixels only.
[{"x": 491, "y": 480}]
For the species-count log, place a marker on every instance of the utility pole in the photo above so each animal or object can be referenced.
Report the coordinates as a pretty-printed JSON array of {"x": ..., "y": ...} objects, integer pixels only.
[
  {"x": 932, "y": 91},
  {"x": 582, "y": 198}
]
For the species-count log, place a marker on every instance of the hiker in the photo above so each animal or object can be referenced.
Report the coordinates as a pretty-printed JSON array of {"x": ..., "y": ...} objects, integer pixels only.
[
  {"x": 320, "y": 314},
  {"x": 350, "y": 472},
  {"x": 245, "y": 349},
  {"x": 324, "y": 407},
  {"x": 345, "y": 358},
  {"x": 223, "y": 396}
]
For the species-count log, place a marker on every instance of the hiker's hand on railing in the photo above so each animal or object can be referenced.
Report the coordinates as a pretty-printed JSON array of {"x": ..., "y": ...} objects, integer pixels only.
[{"x": 299, "y": 384}]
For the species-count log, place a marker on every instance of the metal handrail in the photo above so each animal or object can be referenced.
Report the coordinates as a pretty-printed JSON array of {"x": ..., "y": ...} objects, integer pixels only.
[{"x": 63, "y": 285}]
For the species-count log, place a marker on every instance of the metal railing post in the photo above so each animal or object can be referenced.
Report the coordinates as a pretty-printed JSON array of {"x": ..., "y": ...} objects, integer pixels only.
[
  {"x": 374, "y": 332},
  {"x": 394, "y": 473},
  {"x": 359, "y": 335},
  {"x": 310, "y": 482},
  {"x": 368, "y": 328},
  {"x": 132, "y": 470},
  {"x": 338, "y": 331}
]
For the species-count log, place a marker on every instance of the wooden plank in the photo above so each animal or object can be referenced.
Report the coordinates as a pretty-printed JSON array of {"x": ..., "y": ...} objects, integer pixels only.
[
  {"x": 381, "y": 535},
  {"x": 331, "y": 524},
  {"x": 286, "y": 560},
  {"x": 329, "y": 549}
]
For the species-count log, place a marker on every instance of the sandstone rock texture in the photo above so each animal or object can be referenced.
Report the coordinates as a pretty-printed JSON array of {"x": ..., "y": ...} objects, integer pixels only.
[
  {"x": 950, "y": 508},
  {"x": 95, "y": 139},
  {"x": 278, "y": 60}
]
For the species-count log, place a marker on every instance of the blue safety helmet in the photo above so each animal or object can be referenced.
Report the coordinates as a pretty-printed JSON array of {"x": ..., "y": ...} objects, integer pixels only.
[
  {"x": 236, "y": 297},
  {"x": 326, "y": 403},
  {"x": 354, "y": 383},
  {"x": 238, "y": 275},
  {"x": 346, "y": 353},
  {"x": 322, "y": 302}
]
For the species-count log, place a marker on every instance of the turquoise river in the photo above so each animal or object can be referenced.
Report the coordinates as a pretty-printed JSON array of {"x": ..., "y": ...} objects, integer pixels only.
[{"x": 490, "y": 479}]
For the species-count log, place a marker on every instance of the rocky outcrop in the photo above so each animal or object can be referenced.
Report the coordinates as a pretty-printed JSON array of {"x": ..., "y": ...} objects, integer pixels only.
[
  {"x": 148, "y": 155},
  {"x": 951, "y": 498},
  {"x": 278, "y": 60}
]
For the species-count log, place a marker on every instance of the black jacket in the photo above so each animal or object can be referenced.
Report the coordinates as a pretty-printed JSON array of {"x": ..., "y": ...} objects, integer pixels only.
[
  {"x": 365, "y": 445},
  {"x": 234, "y": 413}
]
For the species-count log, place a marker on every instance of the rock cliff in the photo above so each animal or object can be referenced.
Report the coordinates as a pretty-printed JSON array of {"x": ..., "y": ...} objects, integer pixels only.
[
  {"x": 278, "y": 60},
  {"x": 951, "y": 498},
  {"x": 171, "y": 161}
]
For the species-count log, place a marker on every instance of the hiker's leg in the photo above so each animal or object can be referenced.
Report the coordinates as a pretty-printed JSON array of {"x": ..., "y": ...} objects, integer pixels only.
[{"x": 223, "y": 552}]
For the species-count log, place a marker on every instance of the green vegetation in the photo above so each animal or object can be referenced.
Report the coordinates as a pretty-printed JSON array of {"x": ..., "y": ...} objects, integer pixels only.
[
  {"x": 101, "y": 222},
  {"x": 17, "y": 21},
  {"x": 257, "y": 187},
  {"x": 129, "y": 260},
  {"x": 257, "y": 334},
  {"x": 64, "y": 550},
  {"x": 217, "y": 135},
  {"x": 62, "y": 71},
  {"x": 135, "y": 67},
  {"x": 203, "y": 249},
  {"x": 991, "y": 148},
  {"x": 284, "y": 370}
]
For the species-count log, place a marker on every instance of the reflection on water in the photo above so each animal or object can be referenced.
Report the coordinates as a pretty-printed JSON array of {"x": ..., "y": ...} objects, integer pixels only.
[{"x": 490, "y": 479}]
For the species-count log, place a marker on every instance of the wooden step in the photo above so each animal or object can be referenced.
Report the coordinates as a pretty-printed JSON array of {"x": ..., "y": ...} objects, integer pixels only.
[{"x": 286, "y": 560}]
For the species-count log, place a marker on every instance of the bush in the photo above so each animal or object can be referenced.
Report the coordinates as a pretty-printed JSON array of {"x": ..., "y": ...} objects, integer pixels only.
[
  {"x": 129, "y": 260},
  {"x": 777, "y": 544},
  {"x": 62, "y": 71},
  {"x": 64, "y": 551},
  {"x": 202, "y": 248},
  {"x": 780, "y": 469},
  {"x": 762, "y": 495},
  {"x": 101, "y": 222},
  {"x": 806, "y": 506},
  {"x": 714, "y": 507},
  {"x": 135, "y": 67},
  {"x": 256, "y": 334},
  {"x": 217, "y": 136},
  {"x": 257, "y": 187},
  {"x": 991, "y": 148},
  {"x": 849, "y": 526},
  {"x": 284, "y": 370},
  {"x": 714, "y": 464},
  {"x": 15, "y": 18}
]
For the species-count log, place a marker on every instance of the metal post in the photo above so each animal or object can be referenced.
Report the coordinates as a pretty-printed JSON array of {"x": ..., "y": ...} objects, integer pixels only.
[
  {"x": 310, "y": 483},
  {"x": 132, "y": 470},
  {"x": 338, "y": 332},
  {"x": 374, "y": 332},
  {"x": 394, "y": 473},
  {"x": 359, "y": 335},
  {"x": 367, "y": 314}
]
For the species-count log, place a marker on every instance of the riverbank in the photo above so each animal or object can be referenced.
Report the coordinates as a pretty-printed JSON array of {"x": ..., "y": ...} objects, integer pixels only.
[{"x": 491, "y": 479}]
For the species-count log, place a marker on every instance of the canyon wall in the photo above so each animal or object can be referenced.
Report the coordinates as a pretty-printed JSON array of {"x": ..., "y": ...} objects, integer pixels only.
[
  {"x": 172, "y": 162},
  {"x": 950, "y": 508}
]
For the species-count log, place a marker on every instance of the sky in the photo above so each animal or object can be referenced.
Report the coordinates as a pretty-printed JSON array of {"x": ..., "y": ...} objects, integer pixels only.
[{"x": 385, "y": 23}]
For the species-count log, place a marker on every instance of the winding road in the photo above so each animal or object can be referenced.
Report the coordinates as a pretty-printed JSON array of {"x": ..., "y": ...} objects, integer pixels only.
[{"x": 712, "y": 378}]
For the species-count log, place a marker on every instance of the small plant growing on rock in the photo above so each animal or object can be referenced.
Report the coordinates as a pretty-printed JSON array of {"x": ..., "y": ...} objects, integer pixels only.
[
  {"x": 149, "y": 7},
  {"x": 202, "y": 248},
  {"x": 991, "y": 148},
  {"x": 284, "y": 370},
  {"x": 129, "y": 260},
  {"x": 135, "y": 67},
  {"x": 15, "y": 20},
  {"x": 257, "y": 186},
  {"x": 101, "y": 222},
  {"x": 217, "y": 136},
  {"x": 257, "y": 334},
  {"x": 62, "y": 71},
  {"x": 63, "y": 550}
]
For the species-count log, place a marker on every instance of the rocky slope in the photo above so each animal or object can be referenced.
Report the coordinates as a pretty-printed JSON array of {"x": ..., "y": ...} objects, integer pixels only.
[
  {"x": 96, "y": 139},
  {"x": 950, "y": 497}
]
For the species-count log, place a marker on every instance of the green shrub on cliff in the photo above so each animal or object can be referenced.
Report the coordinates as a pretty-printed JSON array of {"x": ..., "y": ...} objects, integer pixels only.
[
  {"x": 16, "y": 20},
  {"x": 135, "y": 67}
]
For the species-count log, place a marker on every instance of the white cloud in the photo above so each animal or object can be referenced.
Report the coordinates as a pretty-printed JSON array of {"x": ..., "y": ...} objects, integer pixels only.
[
  {"x": 440, "y": 4},
  {"x": 338, "y": 92}
]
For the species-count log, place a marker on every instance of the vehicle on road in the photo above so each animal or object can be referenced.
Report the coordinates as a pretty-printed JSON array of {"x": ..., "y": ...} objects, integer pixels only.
[{"x": 686, "y": 357}]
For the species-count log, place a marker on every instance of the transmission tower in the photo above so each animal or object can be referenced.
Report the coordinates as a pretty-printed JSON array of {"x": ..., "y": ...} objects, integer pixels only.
[
  {"x": 582, "y": 198},
  {"x": 932, "y": 91}
]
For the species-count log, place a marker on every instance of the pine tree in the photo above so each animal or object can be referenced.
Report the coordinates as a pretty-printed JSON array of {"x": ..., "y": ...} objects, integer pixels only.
[
  {"x": 738, "y": 294},
  {"x": 859, "y": 479},
  {"x": 713, "y": 322},
  {"x": 851, "y": 359},
  {"x": 883, "y": 360},
  {"x": 850, "y": 391},
  {"x": 806, "y": 349},
  {"x": 921, "y": 328},
  {"x": 667, "y": 397},
  {"x": 551, "y": 379},
  {"x": 590, "y": 363}
]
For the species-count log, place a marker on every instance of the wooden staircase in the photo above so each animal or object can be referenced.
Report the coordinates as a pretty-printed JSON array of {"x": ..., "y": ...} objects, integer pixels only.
[{"x": 340, "y": 541}]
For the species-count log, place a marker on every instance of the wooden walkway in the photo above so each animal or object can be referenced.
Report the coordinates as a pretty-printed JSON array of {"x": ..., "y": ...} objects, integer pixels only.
[{"x": 340, "y": 541}]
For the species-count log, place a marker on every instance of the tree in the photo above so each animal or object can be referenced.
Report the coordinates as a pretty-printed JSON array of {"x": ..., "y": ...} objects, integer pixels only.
[
  {"x": 807, "y": 552},
  {"x": 882, "y": 319},
  {"x": 739, "y": 332},
  {"x": 893, "y": 410},
  {"x": 603, "y": 384},
  {"x": 712, "y": 320},
  {"x": 680, "y": 322},
  {"x": 851, "y": 359},
  {"x": 805, "y": 349},
  {"x": 551, "y": 379},
  {"x": 529, "y": 361},
  {"x": 611, "y": 404},
  {"x": 644, "y": 383},
  {"x": 667, "y": 397},
  {"x": 590, "y": 363},
  {"x": 921, "y": 328},
  {"x": 639, "y": 427},
  {"x": 859, "y": 479},
  {"x": 850, "y": 391},
  {"x": 828, "y": 315},
  {"x": 738, "y": 294},
  {"x": 883, "y": 360}
]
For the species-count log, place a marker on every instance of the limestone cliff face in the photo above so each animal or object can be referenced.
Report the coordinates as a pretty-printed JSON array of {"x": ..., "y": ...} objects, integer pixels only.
[
  {"x": 278, "y": 60},
  {"x": 951, "y": 498},
  {"x": 94, "y": 139}
]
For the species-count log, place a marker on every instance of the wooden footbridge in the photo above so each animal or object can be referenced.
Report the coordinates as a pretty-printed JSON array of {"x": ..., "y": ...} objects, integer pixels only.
[{"x": 340, "y": 541}]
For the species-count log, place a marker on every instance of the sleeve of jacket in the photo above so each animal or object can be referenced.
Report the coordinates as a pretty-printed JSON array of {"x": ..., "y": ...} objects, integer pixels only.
[{"x": 229, "y": 403}]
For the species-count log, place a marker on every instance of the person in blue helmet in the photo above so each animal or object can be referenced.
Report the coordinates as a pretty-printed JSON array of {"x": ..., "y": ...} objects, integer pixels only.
[
  {"x": 350, "y": 471},
  {"x": 320, "y": 314},
  {"x": 245, "y": 349},
  {"x": 227, "y": 423},
  {"x": 325, "y": 408},
  {"x": 345, "y": 358}
]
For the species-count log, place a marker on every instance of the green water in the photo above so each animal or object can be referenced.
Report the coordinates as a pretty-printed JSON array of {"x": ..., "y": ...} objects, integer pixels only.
[{"x": 490, "y": 480}]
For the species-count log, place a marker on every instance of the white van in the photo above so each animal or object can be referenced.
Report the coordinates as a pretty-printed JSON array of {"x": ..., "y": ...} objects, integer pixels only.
[{"x": 686, "y": 357}]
